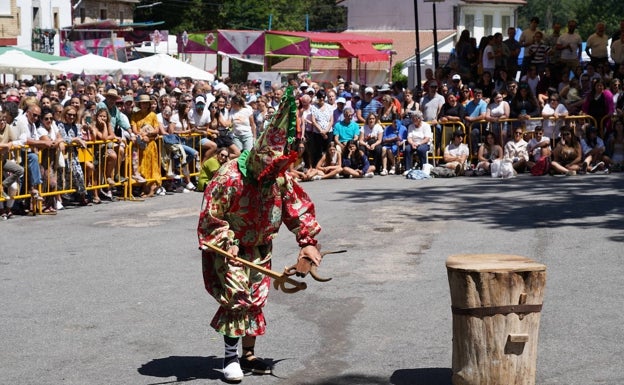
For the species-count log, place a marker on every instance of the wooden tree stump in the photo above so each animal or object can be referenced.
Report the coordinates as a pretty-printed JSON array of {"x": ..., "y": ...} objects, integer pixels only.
[{"x": 496, "y": 301}]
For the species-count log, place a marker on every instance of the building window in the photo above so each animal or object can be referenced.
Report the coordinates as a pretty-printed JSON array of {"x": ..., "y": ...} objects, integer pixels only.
[
  {"x": 121, "y": 17},
  {"x": 5, "y": 8},
  {"x": 56, "y": 20},
  {"x": 488, "y": 23},
  {"x": 83, "y": 15},
  {"x": 505, "y": 23},
  {"x": 102, "y": 14},
  {"x": 470, "y": 21}
]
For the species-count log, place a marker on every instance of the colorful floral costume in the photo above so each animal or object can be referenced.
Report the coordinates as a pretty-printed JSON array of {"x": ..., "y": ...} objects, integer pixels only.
[{"x": 246, "y": 203}]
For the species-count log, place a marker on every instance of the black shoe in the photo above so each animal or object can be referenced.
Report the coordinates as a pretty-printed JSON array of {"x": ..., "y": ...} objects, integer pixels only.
[{"x": 255, "y": 365}]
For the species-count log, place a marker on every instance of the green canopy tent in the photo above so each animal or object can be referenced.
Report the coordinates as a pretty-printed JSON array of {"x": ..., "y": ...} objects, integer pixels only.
[{"x": 37, "y": 55}]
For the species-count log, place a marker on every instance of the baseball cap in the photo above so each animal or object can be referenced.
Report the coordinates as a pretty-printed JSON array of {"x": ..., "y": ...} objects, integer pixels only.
[
  {"x": 369, "y": 90},
  {"x": 252, "y": 99},
  {"x": 341, "y": 100},
  {"x": 200, "y": 100},
  {"x": 456, "y": 77}
]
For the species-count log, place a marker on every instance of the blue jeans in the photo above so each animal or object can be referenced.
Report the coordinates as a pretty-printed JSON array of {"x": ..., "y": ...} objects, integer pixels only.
[
  {"x": 34, "y": 173},
  {"x": 421, "y": 151}
]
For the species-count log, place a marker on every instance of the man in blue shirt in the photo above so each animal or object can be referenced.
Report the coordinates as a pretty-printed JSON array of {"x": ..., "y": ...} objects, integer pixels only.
[{"x": 475, "y": 112}]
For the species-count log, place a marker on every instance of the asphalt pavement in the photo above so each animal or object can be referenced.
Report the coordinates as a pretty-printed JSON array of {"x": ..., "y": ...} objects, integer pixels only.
[{"x": 113, "y": 293}]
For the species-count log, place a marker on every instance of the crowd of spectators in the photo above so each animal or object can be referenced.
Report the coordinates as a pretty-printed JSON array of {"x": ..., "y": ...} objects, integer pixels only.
[{"x": 481, "y": 108}]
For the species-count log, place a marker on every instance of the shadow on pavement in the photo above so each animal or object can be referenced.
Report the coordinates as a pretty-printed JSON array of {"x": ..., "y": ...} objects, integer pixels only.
[
  {"x": 516, "y": 204},
  {"x": 424, "y": 376},
  {"x": 183, "y": 368}
]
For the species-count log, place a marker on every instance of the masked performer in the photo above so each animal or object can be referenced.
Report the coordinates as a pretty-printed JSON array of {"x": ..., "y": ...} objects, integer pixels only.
[{"x": 246, "y": 203}]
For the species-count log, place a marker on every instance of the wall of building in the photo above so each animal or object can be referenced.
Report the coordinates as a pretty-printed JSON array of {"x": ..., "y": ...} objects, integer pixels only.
[
  {"x": 398, "y": 14},
  {"x": 42, "y": 14},
  {"x": 95, "y": 10},
  {"x": 9, "y": 22}
]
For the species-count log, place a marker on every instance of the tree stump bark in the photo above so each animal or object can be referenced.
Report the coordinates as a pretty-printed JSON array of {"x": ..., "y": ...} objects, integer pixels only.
[{"x": 496, "y": 301}]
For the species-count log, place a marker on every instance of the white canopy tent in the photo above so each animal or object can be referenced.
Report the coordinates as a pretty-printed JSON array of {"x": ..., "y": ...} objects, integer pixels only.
[
  {"x": 166, "y": 65},
  {"x": 18, "y": 63},
  {"x": 91, "y": 64}
]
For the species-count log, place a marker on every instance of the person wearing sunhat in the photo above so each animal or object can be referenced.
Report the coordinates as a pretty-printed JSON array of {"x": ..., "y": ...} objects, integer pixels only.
[
  {"x": 456, "y": 153},
  {"x": 146, "y": 128},
  {"x": 246, "y": 203}
]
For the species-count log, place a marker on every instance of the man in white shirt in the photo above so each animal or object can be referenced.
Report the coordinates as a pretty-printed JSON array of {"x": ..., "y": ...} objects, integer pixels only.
[
  {"x": 27, "y": 133},
  {"x": 596, "y": 46},
  {"x": 538, "y": 147},
  {"x": 570, "y": 44}
]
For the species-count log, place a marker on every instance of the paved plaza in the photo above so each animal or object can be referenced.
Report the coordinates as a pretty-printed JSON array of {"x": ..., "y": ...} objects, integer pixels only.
[{"x": 113, "y": 293}]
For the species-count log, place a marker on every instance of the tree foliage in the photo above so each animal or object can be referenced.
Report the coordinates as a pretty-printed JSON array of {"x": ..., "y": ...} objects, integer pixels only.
[
  {"x": 586, "y": 13},
  {"x": 198, "y": 15}
]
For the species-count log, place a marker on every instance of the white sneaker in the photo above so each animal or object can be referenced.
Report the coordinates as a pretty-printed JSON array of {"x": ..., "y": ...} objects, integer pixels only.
[
  {"x": 598, "y": 166},
  {"x": 59, "y": 206},
  {"x": 190, "y": 186},
  {"x": 392, "y": 171},
  {"x": 317, "y": 177},
  {"x": 406, "y": 172},
  {"x": 368, "y": 175},
  {"x": 383, "y": 172},
  {"x": 185, "y": 190},
  {"x": 233, "y": 372}
]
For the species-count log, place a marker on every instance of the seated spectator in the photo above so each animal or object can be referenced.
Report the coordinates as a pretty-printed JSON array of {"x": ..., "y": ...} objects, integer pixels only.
[
  {"x": 539, "y": 151},
  {"x": 371, "y": 137},
  {"x": 516, "y": 151},
  {"x": 489, "y": 151},
  {"x": 452, "y": 111},
  {"x": 12, "y": 172},
  {"x": 393, "y": 137},
  {"x": 572, "y": 96},
  {"x": 299, "y": 169},
  {"x": 554, "y": 114},
  {"x": 345, "y": 130},
  {"x": 456, "y": 153},
  {"x": 418, "y": 140},
  {"x": 567, "y": 155},
  {"x": 210, "y": 167},
  {"x": 593, "y": 147},
  {"x": 330, "y": 164},
  {"x": 355, "y": 163},
  {"x": 616, "y": 146}
]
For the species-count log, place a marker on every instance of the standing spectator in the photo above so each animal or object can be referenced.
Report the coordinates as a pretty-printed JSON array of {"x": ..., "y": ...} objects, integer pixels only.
[
  {"x": 431, "y": 105},
  {"x": 554, "y": 58},
  {"x": 596, "y": 46},
  {"x": 513, "y": 47},
  {"x": 526, "y": 39},
  {"x": 524, "y": 106},
  {"x": 489, "y": 56},
  {"x": 367, "y": 105},
  {"x": 243, "y": 125},
  {"x": 464, "y": 53},
  {"x": 570, "y": 44},
  {"x": 539, "y": 51},
  {"x": 617, "y": 53},
  {"x": 146, "y": 128},
  {"x": 323, "y": 126}
]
